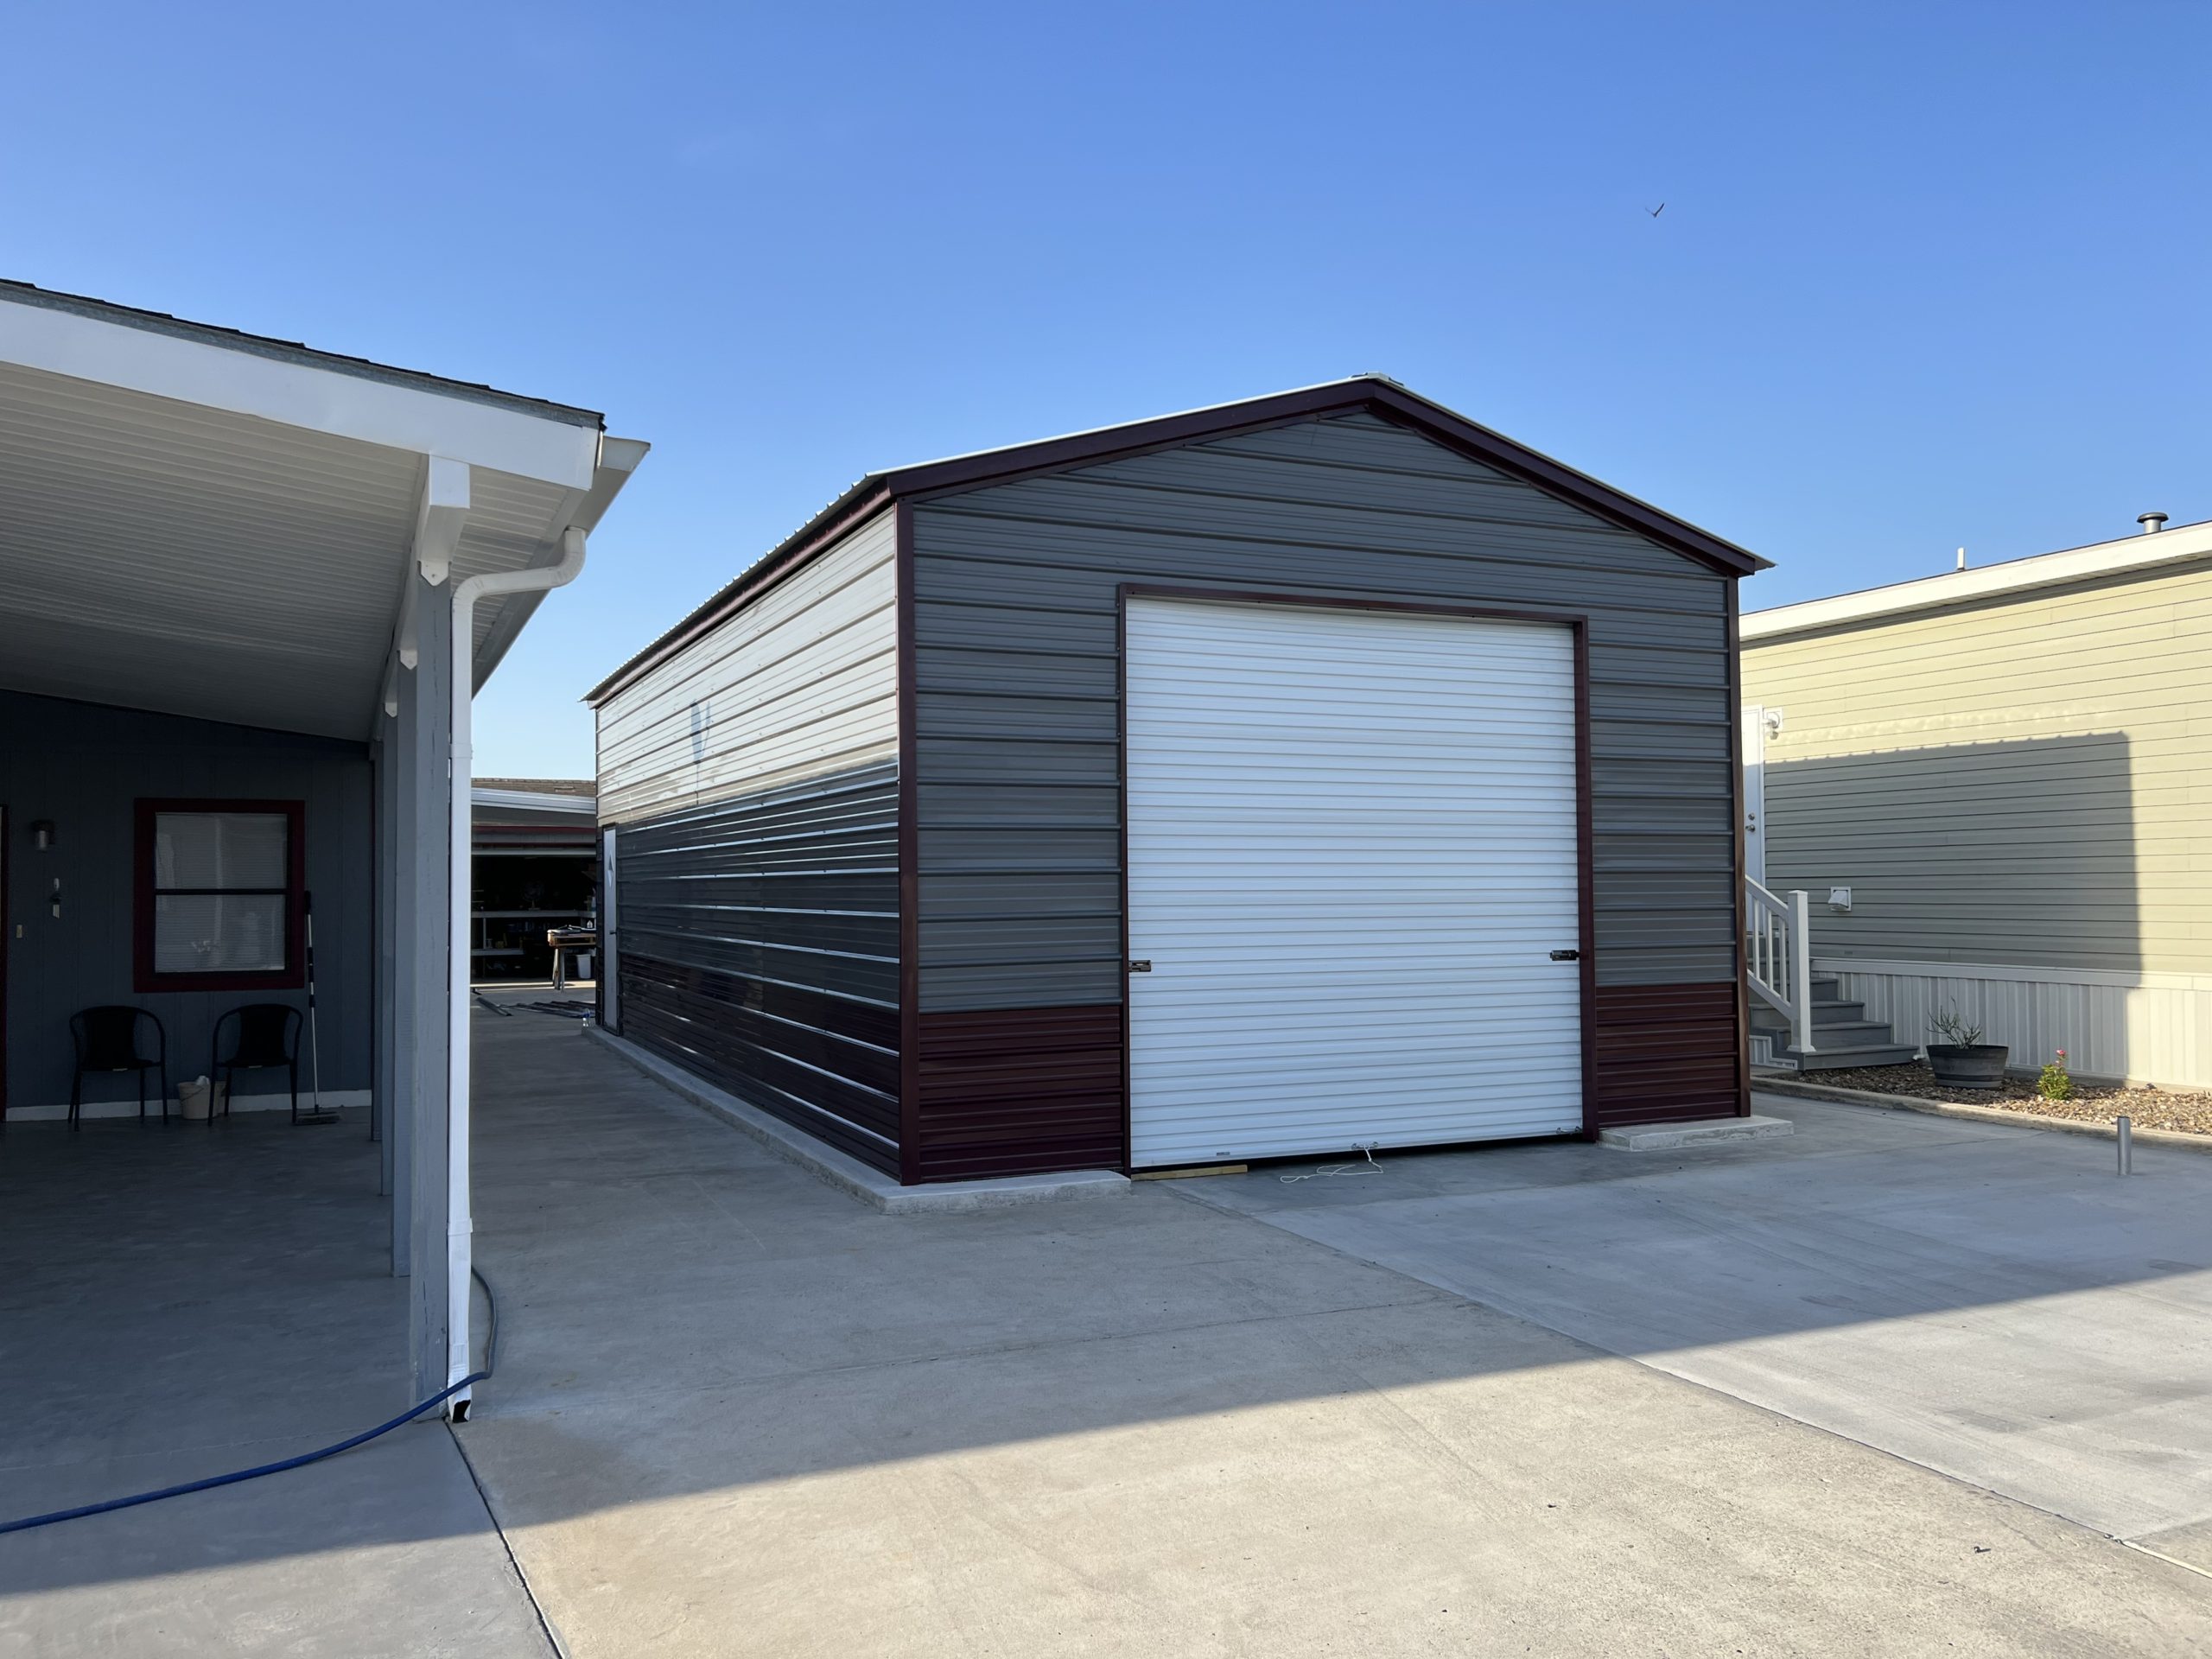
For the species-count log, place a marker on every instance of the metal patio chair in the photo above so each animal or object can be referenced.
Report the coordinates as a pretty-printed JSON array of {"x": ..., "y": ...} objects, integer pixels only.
[
  {"x": 107, "y": 1040},
  {"x": 265, "y": 1036}
]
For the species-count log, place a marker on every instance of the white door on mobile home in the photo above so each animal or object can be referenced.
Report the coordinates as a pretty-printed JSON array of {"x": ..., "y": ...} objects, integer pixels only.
[{"x": 1352, "y": 880}]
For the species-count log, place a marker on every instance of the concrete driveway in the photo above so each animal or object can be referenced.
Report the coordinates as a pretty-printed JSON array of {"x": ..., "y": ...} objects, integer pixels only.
[
  {"x": 1991, "y": 1302},
  {"x": 737, "y": 1413}
]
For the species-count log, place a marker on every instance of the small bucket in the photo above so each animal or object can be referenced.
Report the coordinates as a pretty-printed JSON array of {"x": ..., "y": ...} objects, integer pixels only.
[{"x": 200, "y": 1099}]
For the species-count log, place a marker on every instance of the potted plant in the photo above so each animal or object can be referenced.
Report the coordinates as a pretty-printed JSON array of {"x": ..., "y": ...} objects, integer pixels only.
[{"x": 1961, "y": 1058}]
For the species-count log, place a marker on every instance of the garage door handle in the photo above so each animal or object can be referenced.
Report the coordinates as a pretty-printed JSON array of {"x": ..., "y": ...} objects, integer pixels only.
[
  {"x": 1566, "y": 956},
  {"x": 1141, "y": 965}
]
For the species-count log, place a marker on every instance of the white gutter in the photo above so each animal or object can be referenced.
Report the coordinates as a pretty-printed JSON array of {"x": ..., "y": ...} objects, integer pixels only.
[{"x": 460, "y": 1223}]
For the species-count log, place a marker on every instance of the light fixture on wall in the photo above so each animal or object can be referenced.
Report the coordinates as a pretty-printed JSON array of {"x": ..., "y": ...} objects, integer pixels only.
[{"x": 43, "y": 835}]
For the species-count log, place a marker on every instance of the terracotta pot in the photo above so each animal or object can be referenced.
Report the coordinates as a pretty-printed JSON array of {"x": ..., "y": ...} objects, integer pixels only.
[{"x": 1968, "y": 1065}]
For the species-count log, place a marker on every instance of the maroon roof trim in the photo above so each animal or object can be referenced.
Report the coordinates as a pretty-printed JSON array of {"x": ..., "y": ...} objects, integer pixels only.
[{"x": 1370, "y": 393}]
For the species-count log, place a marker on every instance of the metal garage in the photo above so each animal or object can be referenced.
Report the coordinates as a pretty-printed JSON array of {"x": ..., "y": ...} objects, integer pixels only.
[{"x": 1313, "y": 772}]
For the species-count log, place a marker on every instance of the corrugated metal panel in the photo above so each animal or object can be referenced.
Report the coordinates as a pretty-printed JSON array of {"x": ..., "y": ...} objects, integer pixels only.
[
  {"x": 759, "y": 949},
  {"x": 1353, "y": 849},
  {"x": 1665, "y": 1054},
  {"x": 1015, "y": 630},
  {"x": 2021, "y": 782},
  {"x": 1020, "y": 1091},
  {"x": 802, "y": 684},
  {"x": 2147, "y": 1028}
]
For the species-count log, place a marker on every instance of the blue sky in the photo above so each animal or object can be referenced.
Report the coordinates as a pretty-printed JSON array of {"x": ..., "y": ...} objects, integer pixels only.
[{"x": 1926, "y": 276}]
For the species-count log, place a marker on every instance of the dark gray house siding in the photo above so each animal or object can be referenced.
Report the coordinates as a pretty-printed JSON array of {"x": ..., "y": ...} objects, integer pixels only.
[
  {"x": 1016, "y": 606},
  {"x": 84, "y": 766}
]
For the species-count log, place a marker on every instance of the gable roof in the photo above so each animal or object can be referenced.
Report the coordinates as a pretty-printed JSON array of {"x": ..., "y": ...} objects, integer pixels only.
[{"x": 1373, "y": 394}]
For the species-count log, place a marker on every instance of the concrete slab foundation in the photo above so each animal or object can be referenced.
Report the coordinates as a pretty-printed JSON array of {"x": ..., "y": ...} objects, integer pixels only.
[{"x": 1665, "y": 1137}]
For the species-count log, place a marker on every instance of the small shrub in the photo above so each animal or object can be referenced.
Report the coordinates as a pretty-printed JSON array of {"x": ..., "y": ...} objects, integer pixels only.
[
  {"x": 1953, "y": 1030},
  {"x": 2058, "y": 1084}
]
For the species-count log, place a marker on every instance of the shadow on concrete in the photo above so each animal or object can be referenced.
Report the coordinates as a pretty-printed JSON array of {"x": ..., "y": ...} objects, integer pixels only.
[{"x": 684, "y": 1314}]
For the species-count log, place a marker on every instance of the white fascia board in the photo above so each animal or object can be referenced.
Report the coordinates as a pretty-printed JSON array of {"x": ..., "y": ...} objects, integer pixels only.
[
  {"x": 298, "y": 394},
  {"x": 2131, "y": 553}
]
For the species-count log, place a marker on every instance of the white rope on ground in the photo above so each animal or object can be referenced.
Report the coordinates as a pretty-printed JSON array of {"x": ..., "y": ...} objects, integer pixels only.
[{"x": 1370, "y": 1167}]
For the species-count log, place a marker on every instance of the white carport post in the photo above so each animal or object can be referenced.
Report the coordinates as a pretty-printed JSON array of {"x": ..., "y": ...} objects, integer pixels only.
[
  {"x": 460, "y": 1221},
  {"x": 422, "y": 890}
]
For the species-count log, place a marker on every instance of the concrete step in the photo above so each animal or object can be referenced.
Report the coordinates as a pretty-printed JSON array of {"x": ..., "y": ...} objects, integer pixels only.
[
  {"x": 1824, "y": 1014},
  {"x": 1669, "y": 1137},
  {"x": 1832, "y": 1059},
  {"x": 1846, "y": 1034}
]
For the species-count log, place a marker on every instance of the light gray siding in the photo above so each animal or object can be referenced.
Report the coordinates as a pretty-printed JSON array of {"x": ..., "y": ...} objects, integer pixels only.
[
  {"x": 802, "y": 683},
  {"x": 1017, "y": 680},
  {"x": 752, "y": 778}
]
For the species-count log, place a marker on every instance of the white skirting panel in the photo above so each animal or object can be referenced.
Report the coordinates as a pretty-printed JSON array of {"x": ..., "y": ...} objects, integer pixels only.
[{"x": 2145, "y": 1028}]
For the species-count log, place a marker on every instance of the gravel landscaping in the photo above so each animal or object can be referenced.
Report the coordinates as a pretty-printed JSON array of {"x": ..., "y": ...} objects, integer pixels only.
[{"x": 2189, "y": 1111}]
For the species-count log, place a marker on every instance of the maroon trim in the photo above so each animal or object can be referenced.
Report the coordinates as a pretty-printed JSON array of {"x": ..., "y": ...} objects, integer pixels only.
[
  {"x": 1345, "y": 602},
  {"x": 7, "y": 945},
  {"x": 1121, "y": 809},
  {"x": 1371, "y": 394},
  {"x": 1736, "y": 759},
  {"x": 1584, "y": 858},
  {"x": 1020, "y": 1091},
  {"x": 296, "y": 866},
  {"x": 910, "y": 956},
  {"x": 1586, "y": 878},
  {"x": 1665, "y": 1053}
]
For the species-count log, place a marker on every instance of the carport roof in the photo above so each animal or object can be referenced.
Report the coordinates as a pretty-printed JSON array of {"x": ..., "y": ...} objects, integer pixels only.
[
  {"x": 289, "y": 351},
  {"x": 201, "y": 522},
  {"x": 1372, "y": 393}
]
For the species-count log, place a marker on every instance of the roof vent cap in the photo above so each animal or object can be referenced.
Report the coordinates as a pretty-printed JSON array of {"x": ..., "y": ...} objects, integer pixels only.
[{"x": 2152, "y": 522}]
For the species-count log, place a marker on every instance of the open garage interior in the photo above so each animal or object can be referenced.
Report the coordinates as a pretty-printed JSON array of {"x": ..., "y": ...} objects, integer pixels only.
[
  {"x": 247, "y": 590},
  {"x": 534, "y": 897}
]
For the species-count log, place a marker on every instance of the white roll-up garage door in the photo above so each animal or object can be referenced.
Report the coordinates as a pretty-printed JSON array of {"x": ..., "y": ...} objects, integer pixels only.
[{"x": 1352, "y": 852}]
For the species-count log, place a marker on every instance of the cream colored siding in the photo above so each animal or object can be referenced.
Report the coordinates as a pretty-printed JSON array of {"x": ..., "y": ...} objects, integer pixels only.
[
  {"x": 801, "y": 684},
  {"x": 2024, "y": 781}
]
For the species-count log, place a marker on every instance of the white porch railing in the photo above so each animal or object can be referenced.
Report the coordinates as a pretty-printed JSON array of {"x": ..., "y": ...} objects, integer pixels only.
[{"x": 1778, "y": 956}]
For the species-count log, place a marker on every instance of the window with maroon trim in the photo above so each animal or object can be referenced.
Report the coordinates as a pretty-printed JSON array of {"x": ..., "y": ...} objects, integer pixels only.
[{"x": 221, "y": 895}]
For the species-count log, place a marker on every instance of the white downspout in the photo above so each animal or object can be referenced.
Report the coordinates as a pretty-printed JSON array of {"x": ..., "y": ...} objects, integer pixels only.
[{"x": 460, "y": 1223}]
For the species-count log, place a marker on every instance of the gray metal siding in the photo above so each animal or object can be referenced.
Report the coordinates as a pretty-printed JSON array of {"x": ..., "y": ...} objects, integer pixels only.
[
  {"x": 1017, "y": 674},
  {"x": 759, "y": 949},
  {"x": 752, "y": 781},
  {"x": 84, "y": 766}
]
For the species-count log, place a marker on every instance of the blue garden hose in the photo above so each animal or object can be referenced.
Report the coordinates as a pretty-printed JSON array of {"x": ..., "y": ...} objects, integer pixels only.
[{"x": 490, "y": 1350}]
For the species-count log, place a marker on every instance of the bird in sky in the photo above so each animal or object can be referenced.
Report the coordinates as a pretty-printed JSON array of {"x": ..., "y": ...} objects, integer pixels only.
[{"x": 1656, "y": 211}]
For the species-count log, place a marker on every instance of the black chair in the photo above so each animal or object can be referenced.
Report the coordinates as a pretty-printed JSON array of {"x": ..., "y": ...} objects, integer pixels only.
[
  {"x": 107, "y": 1040},
  {"x": 265, "y": 1035}
]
